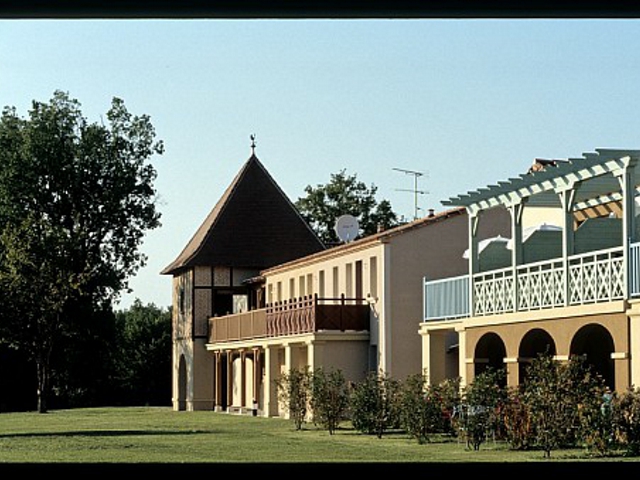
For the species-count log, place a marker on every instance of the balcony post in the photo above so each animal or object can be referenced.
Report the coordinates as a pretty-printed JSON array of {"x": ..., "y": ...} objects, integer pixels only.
[
  {"x": 515, "y": 211},
  {"x": 473, "y": 255},
  {"x": 567, "y": 197},
  {"x": 626, "y": 178}
]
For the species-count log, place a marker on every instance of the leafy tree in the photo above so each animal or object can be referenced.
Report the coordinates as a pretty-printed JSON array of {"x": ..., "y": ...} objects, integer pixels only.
[
  {"x": 143, "y": 354},
  {"x": 344, "y": 195},
  {"x": 76, "y": 199},
  {"x": 329, "y": 398}
]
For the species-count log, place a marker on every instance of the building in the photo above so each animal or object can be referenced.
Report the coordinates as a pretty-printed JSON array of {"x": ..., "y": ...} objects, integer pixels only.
[
  {"x": 244, "y": 314},
  {"x": 566, "y": 281},
  {"x": 253, "y": 226}
]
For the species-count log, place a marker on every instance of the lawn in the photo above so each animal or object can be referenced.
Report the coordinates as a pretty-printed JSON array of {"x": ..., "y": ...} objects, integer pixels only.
[{"x": 161, "y": 436}]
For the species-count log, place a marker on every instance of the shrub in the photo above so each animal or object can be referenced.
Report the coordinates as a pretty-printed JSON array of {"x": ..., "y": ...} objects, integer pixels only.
[
  {"x": 421, "y": 408},
  {"x": 448, "y": 393},
  {"x": 329, "y": 398},
  {"x": 626, "y": 412},
  {"x": 555, "y": 394},
  {"x": 479, "y": 413},
  {"x": 375, "y": 404},
  {"x": 293, "y": 392},
  {"x": 517, "y": 421}
]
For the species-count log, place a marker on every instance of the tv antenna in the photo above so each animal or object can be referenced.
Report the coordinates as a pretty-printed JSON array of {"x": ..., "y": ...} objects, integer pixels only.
[{"x": 415, "y": 190}]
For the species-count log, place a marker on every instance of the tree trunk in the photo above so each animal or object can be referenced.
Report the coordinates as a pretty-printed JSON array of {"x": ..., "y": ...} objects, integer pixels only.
[{"x": 43, "y": 384}]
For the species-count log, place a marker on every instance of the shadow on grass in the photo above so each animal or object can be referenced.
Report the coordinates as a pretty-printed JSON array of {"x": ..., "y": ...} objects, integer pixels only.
[{"x": 108, "y": 433}]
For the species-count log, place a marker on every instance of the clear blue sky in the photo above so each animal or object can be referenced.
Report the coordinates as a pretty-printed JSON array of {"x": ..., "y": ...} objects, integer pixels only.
[{"x": 467, "y": 102}]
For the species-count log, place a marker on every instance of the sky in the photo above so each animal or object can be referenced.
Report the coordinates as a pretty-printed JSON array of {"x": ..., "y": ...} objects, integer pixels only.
[{"x": 463, "y": 102}]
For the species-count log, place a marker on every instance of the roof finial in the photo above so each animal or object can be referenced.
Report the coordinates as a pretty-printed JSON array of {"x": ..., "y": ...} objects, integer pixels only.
[{"x": 253, "y": 143}]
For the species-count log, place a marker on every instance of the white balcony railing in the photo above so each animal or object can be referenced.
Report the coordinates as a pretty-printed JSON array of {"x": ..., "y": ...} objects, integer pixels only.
[
  {"x": 593, "y": 277},
  {"x": 447, "y": 298}
]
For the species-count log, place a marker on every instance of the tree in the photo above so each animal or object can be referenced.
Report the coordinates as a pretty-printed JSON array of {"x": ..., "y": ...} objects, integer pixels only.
[
  {"x": 76, "y": 199},
  {"x": 143, "y": 354},
  {"x": 344, "y": 195}
]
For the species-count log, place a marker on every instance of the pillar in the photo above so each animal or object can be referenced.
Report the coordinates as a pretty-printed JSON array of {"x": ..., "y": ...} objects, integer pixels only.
[
  {"x": 434, "y": 353},
  {"x": 271, "y": 373},
  {"x": 229, "y": 380},
  {"x": 218, "y": 381}
]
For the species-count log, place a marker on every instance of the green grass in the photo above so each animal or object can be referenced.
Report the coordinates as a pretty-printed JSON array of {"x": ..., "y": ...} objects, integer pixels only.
[{"x": 159, "y": 435}]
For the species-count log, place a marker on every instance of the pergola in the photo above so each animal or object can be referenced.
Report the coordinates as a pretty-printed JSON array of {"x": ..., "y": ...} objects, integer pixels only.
[
  {"x": 598, "y": 175},
  {"x": 575, "y": 184}
]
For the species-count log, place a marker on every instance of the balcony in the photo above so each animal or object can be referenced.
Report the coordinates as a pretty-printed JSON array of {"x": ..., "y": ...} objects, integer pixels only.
[
  {"x": 591, "y": 277},
  {"x": 238, "y": 326},
  {"x": 291, "y": 317}
]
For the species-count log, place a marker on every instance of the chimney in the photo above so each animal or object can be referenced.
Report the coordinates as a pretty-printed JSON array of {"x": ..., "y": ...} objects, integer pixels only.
[
  {"x": 380, "y": 227},
  {"x": 431, "y": 212}
]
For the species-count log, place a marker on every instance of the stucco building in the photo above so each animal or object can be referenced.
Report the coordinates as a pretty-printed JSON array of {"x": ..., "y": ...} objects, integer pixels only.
[{"x": 249, "y": 307}]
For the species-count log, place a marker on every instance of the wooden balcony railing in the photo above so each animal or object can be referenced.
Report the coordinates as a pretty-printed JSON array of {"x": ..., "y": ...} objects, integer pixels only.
[
  {"x": 311, "y": 314},
  {"x": 238, "y": 326},
  {"x": 290, "y": 317}
]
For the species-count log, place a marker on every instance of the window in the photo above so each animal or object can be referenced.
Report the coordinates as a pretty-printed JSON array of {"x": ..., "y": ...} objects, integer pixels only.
[
  {"x": 373, "y": 277},
  {"x": 321, "y": 283},
  {"x": 309, "y": 284}
]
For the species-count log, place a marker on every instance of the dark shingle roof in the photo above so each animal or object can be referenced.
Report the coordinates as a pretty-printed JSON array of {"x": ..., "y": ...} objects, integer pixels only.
[{"x": 253, "y": 225}]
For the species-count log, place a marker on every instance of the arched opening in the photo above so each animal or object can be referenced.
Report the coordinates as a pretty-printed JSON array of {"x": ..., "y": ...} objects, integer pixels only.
[
  {"x": 596, "y": 344},
  {"x": 535, "y": 342},
  {"x": 182, "y": 384},
  {"x": 489, "y": 354}
]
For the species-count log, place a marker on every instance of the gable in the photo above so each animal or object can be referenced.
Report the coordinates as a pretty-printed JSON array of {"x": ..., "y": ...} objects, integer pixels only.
[{"x": 253, "y": 225}]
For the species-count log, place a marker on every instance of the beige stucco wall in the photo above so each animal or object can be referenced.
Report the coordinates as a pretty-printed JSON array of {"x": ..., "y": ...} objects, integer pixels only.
[
  {"x": 562, "y": 330},
  {"x": 348, "y": 356},
  {"x": 371, "y": 288},
  {"x": 434, "y": 252}
]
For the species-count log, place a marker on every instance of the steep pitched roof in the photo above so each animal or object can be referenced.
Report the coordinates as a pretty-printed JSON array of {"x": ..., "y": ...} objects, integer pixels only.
[{"x": 253, "y": 225}]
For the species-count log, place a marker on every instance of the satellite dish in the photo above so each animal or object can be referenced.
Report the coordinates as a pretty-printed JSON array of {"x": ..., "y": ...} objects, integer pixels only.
[{"x": 347, "y": 228}]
